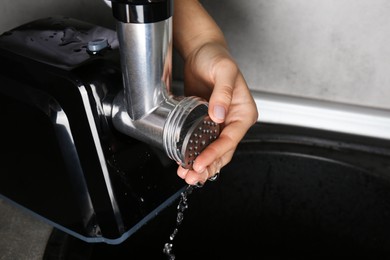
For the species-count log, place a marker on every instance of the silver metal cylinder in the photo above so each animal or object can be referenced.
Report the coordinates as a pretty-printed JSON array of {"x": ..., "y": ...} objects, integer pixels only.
[
  {"x": 146, "y": 59},
  {"x": 150, "y": 128}
]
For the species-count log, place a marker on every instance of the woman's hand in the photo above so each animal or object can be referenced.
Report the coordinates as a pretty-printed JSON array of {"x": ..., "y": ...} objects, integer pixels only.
[{"x": 211, "y": 73}]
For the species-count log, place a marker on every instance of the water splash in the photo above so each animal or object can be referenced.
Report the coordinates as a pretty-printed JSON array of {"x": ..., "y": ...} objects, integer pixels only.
[{"x": 181, "y": 207}]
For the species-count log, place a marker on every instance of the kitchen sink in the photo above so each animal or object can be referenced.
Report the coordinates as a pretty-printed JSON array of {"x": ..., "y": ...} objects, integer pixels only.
[{"x": 288, "y": 192}]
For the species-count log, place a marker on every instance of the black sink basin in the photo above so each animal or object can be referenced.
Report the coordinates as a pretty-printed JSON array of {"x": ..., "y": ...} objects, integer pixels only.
[{"x": 288, "y": 192}]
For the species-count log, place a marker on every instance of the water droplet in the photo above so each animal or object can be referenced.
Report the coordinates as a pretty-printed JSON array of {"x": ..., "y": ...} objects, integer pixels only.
[
  {"x": 181, "y": 207},
  {"x": 172, "y": 236},
  {"x": 168, "y": 251}
]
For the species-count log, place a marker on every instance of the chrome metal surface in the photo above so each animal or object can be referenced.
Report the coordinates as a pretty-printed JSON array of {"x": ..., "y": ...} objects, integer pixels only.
[
  {"x": 317, "y": 114},
  {"x": 188, "y": 131},
  {"x": 179, "y": 126},
  {"x": 198, "y": 137},
  {"x": 150, "y": 128},
  {"x": 146, "y": 59},
  {"x": 145, "y": 109}
]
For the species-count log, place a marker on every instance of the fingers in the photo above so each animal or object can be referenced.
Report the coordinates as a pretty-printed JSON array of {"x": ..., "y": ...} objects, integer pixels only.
[
  {"x": 214, "y": 152},
  {"x": 209, "y": 162},
  {"x": 241, "y": 115},
  {"x": 225, "y": 74},
  {"x": 196, "y": 178},
  {"x": 192, "y": 177},
  {"x": 214, "y": 75}
]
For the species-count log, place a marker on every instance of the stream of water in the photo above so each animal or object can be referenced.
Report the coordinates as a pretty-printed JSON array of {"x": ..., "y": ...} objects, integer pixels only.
[{"x": 181, "y": 207}]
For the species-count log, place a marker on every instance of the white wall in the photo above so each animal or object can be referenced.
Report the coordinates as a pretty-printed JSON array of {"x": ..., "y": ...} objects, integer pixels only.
[{"x": 337, "y": 50}]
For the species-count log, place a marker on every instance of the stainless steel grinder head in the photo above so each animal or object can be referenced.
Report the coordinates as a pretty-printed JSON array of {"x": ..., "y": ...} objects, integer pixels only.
[
  {"x": 188, "y": 131},
  {"x": 197, "y": 138}
]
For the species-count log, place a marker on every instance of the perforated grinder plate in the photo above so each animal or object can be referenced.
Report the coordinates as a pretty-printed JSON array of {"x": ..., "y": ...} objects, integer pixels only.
[{"x": 198, "y": 137}]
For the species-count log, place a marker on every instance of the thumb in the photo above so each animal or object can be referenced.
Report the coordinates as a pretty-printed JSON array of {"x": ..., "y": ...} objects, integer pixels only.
[{"x": 221, "y": 97}]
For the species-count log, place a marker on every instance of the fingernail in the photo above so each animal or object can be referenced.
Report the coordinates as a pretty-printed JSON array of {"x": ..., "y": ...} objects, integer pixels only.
[
  {"x": 198, "y": 184},
  {"x": 219, "y": 112}
]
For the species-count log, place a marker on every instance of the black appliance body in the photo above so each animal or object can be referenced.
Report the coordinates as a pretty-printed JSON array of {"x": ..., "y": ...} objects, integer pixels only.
[{"x": 62, "y": 158}]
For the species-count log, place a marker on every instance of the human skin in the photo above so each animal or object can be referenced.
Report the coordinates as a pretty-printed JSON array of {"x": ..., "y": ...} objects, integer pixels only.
[{"x": 211, "y": 72}]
